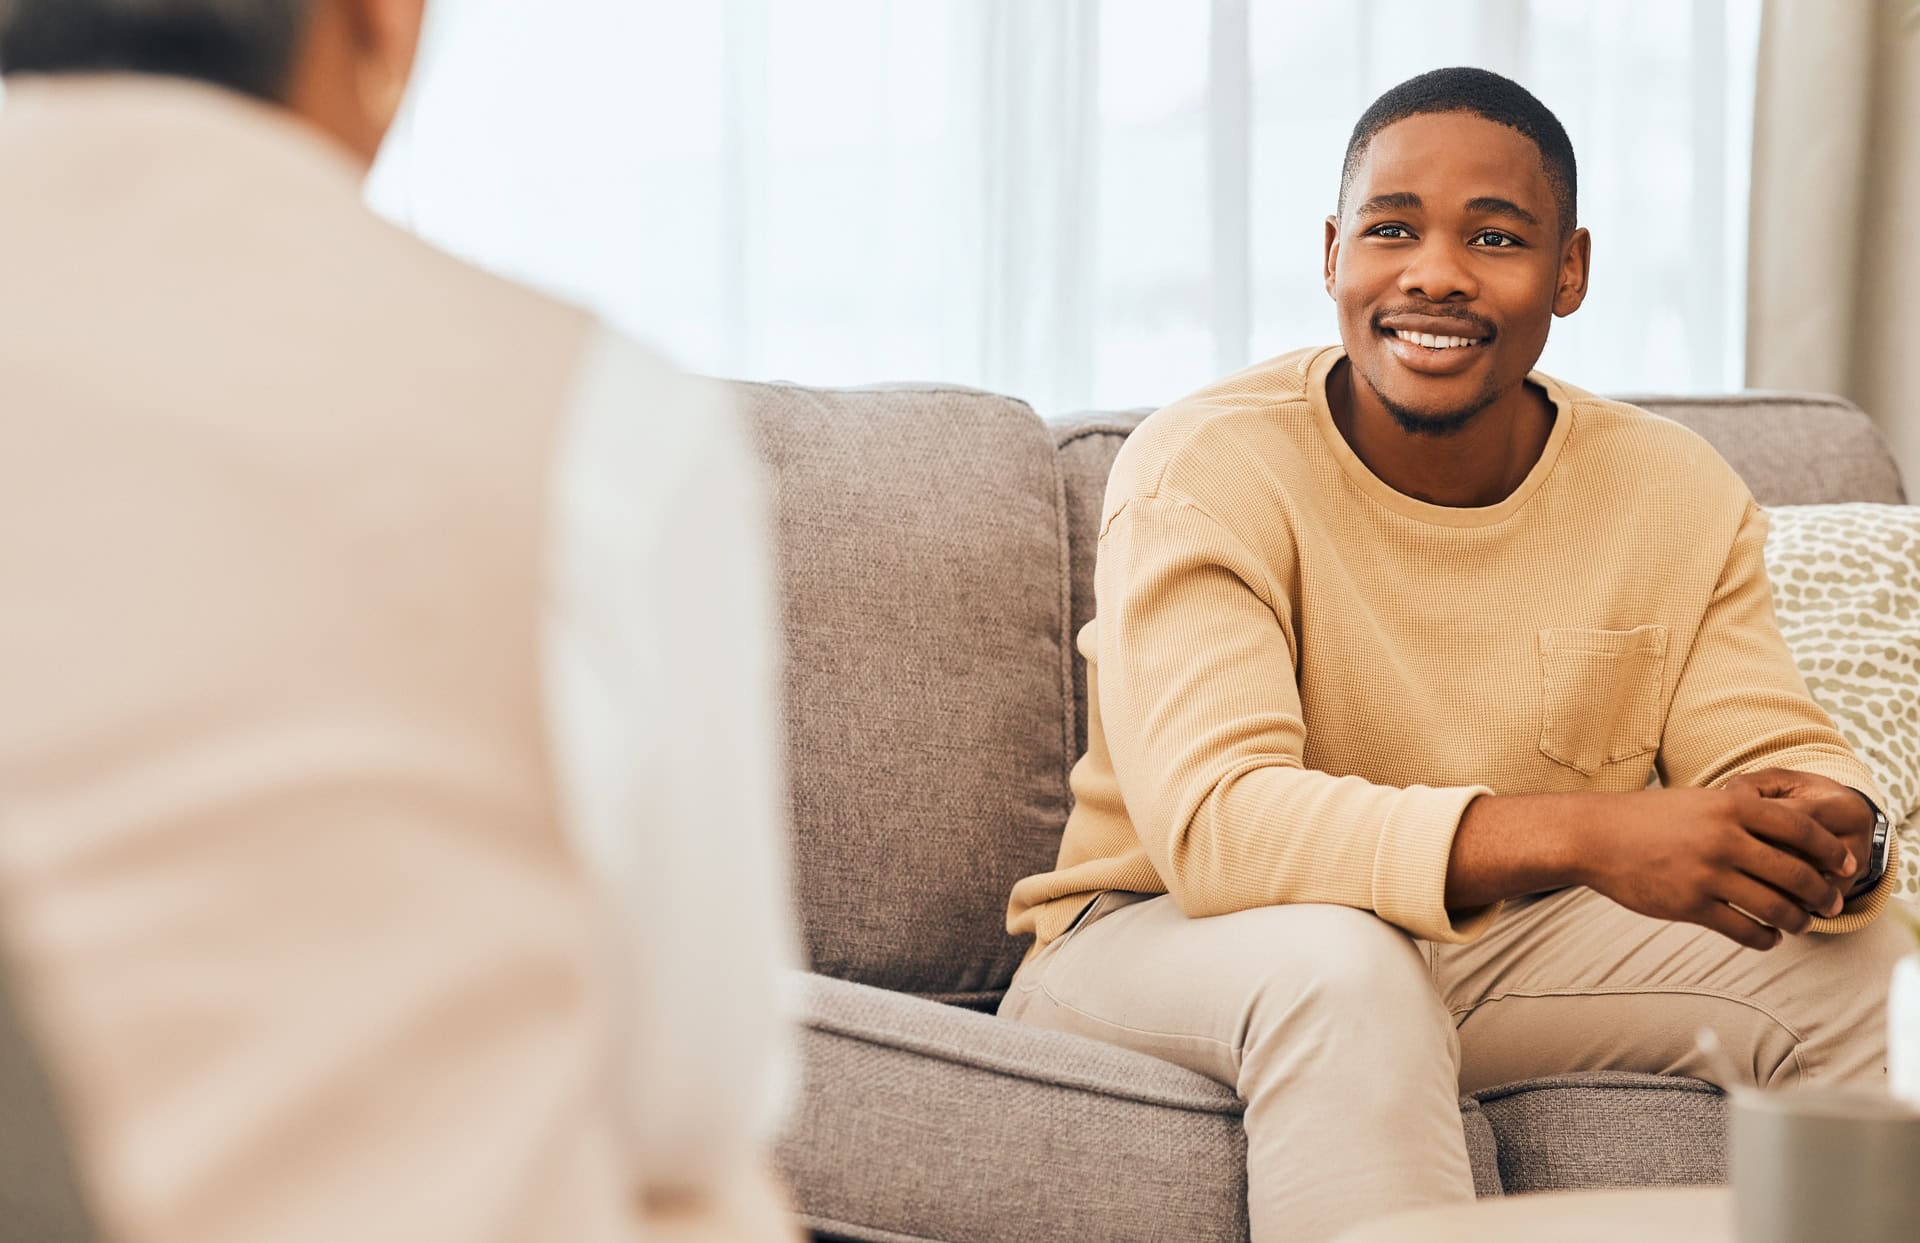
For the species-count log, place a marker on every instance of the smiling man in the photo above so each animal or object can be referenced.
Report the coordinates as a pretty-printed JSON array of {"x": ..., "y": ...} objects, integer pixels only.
[{"x": 1390, "y": 638}]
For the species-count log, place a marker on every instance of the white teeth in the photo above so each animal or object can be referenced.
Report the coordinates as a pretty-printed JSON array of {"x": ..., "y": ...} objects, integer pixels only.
[{"x": 1432, "y": 342}]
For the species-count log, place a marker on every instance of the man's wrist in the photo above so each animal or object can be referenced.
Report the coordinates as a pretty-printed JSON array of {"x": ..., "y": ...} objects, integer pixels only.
[
  {"x": 1570, "y": 852},
  {"x": 1873, "y": 867},
  {"x": 1507, "y": 846}
]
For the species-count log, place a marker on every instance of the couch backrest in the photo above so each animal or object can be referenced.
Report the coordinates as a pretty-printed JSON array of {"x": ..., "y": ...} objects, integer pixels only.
[
  {"x": 929, "y": 714},
  {"x": 936, "y": 557}
]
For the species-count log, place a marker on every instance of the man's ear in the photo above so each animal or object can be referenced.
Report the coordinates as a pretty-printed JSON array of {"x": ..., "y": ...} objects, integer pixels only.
[
  {"x": 1576, "y": 261},
  {"x": 1331, "y": 257},
  {"x": 386, "y": 37}
]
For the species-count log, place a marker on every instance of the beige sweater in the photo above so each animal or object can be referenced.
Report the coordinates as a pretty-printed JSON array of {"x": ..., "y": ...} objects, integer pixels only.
[{"x": 1300, "y": 677}]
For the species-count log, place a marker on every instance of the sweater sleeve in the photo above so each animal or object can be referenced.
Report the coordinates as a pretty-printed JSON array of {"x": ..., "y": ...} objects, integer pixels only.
[
  {"x": 1741, "y": 705},
  {"x": 1196, "y": 668},
  {"x": 661, "y": 679}
]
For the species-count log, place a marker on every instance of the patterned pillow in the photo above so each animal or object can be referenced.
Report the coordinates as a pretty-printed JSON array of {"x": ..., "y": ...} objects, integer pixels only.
[{"x": 1846, "y": 590}]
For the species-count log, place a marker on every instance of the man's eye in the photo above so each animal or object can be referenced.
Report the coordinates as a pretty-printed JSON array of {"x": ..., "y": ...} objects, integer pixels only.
[
  {"x": 1494, "y": 238},
  {"x": 1393, "y": 232}
]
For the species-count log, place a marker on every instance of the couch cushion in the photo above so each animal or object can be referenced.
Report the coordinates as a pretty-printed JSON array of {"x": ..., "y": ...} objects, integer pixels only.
[
  {"x": 1846, "y": 594},
  {"x": 1791, "y": 449},
  {"x": 1607, "y": 1130},
  {"x": 924, "y": 1122},
  {"x": 1087, "y": 445},
  {"x": 928, "y": 712}
]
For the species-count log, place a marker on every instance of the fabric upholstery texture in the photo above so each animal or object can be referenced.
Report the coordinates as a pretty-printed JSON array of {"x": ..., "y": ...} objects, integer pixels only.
[
  {"x": 946, "y": 1124},
  {"x": 1846, "y": 590},
  {"x": 1792, "y": 449},
  {"x": 1607, "y": 1130},
  {"x": 929, "y": 716},
  {"x": 1087, "y": 445}
]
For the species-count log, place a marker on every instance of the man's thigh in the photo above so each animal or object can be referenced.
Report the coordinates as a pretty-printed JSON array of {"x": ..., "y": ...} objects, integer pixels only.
[
  {"x": 1139, "y": 973},
  {"x": 1573, "y": 981}
]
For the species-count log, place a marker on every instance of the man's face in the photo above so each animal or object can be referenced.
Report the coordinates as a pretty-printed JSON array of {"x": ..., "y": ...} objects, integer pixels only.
[{"x": 1447, "y": 266}]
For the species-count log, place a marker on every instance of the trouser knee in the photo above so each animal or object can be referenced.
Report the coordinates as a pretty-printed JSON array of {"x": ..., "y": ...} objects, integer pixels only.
[{"x": 1358, "y": 994}]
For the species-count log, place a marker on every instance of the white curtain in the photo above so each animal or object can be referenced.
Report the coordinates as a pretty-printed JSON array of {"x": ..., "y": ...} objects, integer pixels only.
[
  {"x": 1085, "y": 203},
  {"x": 1836, "y": 169}
]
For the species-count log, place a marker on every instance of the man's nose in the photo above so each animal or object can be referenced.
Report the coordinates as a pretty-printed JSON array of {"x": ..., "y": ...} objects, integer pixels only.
[{"x": 1438, "y": 271}]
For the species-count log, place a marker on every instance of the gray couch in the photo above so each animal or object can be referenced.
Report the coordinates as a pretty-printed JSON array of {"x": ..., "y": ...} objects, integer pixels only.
[{"x": 936, "y": 550}]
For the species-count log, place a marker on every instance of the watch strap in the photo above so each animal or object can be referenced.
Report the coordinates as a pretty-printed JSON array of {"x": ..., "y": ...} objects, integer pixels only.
[{"x": 1877, "y": 848}]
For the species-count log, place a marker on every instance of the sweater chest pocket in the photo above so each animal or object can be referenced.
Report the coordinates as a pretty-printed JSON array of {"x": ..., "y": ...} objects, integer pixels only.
[{"x": 1600, "y": 694}]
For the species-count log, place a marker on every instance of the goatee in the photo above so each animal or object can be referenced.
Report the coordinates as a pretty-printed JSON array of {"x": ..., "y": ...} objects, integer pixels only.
[{"x": 1426, "y": 423}]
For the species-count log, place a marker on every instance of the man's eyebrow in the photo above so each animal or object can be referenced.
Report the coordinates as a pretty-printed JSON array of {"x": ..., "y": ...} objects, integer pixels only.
[
  {"x": 1502, "y": 207},
  {"x": 1380, "y": 204}
]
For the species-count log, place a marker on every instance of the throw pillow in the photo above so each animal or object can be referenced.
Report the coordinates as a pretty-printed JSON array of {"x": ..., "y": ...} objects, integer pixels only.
[{"x": 1846, "y": 591}]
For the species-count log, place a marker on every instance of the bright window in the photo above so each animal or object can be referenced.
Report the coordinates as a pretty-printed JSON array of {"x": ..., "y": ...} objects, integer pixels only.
[{"x": 1086, "y": 203}]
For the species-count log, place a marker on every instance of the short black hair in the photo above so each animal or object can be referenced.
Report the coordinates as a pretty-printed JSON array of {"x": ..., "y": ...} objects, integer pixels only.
[
  {"x": 1483, "y": 93},
  {"x": 245, "y": 45}
]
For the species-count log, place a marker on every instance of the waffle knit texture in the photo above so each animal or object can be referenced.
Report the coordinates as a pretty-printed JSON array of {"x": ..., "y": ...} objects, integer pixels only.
[{"x": 1300, "y": 677}]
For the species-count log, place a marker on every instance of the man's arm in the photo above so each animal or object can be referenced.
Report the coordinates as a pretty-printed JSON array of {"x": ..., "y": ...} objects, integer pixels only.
[
  {"x": 1200, "y": 708},
  {"x": 661, "y": 677},
  {"x": 1781, "y": 823},
  {"x": 1741, "y": 707},
  {"x": 1736, "y": 860}
]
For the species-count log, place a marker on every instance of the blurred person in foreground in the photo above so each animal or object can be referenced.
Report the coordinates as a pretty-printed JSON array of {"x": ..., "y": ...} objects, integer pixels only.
[{"x": 389, "y": 841}]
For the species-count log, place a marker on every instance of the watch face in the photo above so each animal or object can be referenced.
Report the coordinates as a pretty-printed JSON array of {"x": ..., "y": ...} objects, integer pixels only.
[{"x": 1877, "y": 862}]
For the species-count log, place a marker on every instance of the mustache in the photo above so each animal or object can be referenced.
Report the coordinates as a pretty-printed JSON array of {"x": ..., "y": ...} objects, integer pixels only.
[{"x": 1482, "y": 327}]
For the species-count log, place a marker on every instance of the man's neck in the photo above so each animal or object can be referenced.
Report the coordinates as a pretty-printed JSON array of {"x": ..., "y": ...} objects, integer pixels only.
[{"x": 1478, "y": 465}]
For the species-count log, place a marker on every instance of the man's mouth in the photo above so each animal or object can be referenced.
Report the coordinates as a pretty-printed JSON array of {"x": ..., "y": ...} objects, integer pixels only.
[
  {"x": 1434, "y": 345},
  {"x": 1434, "y": 341}
]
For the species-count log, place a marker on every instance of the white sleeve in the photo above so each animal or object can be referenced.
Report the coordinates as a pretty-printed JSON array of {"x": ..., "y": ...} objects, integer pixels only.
[{"x": 662, "y": 699}]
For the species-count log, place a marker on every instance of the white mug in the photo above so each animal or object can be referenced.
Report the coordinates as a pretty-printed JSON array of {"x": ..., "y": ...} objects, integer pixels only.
[
  {"x": 1903, "y": 1030},
  {"x": 1813, "y": 1165}
]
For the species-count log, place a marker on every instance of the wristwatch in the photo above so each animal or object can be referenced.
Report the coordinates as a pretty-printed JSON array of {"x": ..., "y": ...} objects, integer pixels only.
[{"x": 1876, "y": 850}]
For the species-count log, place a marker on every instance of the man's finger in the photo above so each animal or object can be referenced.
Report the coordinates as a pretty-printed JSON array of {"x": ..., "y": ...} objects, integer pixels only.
[
  {"x": 1765, "y": 903},
  {"x": 1770, "y": 782},
  {"x": 1785, "y": 822},
  {"x": 1787, "y": 872},
  {"x": 1845, "y": 812},
  {"x": 1731, "y": 924}
]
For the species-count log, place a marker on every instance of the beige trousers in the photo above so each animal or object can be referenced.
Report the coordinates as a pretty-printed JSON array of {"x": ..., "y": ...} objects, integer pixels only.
[{"x": 1350, "y": 1042}]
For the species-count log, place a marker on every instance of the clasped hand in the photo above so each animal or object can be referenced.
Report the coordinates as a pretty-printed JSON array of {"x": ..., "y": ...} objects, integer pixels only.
[{"x": 1756, "y": 858}]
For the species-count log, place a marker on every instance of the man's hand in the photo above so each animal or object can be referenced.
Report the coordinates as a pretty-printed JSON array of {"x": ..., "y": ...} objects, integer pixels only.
[
  {"x": 1745, "y": 863},
  {"x": 1843, "y": 810}
]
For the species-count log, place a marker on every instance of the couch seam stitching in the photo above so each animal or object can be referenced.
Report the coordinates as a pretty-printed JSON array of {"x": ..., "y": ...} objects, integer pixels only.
[
  {"x": 1087, "y": 433},
  {"x": 1627, "y": 1081}
]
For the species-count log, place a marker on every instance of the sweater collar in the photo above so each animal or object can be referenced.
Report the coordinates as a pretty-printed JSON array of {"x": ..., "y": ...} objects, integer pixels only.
[{"x": 1322, "y": 365}]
